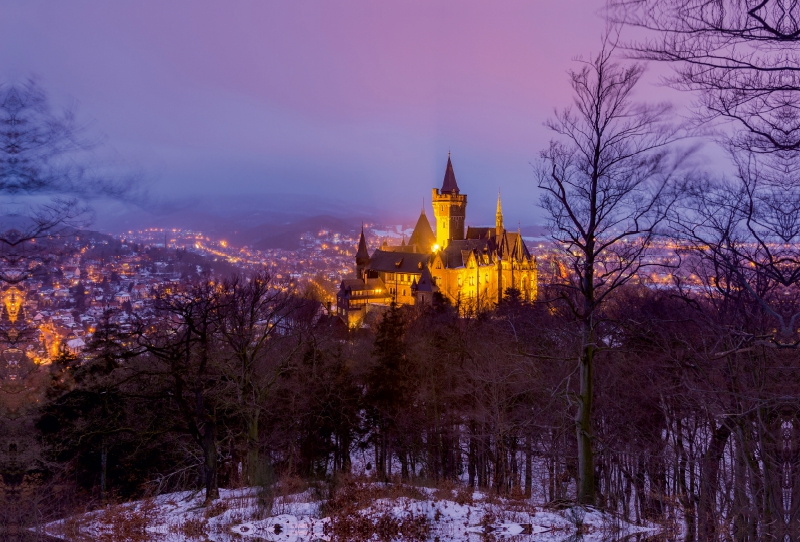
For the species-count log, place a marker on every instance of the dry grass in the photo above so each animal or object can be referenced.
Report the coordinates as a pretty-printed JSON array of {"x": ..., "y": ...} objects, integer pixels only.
[
  {"x": 216, "y": 508},
  {"x": 191, "y": 528},
  {"x": 126, "y": 522},
  {"x": 352, "y": 495}
]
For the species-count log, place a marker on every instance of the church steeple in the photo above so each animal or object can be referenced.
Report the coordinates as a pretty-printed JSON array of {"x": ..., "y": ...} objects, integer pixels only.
[
  {"x": 362, "y": 256},
  {"x": 498, "y": 218}
]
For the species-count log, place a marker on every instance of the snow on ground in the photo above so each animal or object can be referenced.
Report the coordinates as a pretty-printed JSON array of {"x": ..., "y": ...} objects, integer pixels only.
[{"x": 238, "y": 515}]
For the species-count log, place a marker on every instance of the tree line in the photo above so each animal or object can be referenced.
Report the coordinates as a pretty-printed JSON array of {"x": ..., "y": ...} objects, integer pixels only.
[{"x": 239, "y": 383}]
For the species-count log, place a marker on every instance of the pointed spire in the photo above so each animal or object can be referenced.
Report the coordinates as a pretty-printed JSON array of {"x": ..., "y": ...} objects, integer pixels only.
[
  {"x": 362, "y": 256},
  {"x": 426, "y": 283},
  {"x": 498, "y": 223},
  {"x": 449, "y": 185}
]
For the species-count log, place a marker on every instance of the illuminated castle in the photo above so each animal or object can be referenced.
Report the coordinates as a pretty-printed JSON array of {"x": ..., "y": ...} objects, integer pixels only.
[{"x": 472, "y": 267}]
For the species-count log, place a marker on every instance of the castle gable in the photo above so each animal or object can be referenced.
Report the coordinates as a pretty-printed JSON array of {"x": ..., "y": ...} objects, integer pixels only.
[
  {"x": 457, "y": 252},
  {"x": 512, "y": 246}
]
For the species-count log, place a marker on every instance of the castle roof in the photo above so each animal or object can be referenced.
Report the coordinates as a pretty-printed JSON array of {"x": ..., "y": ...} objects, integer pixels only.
[
  {"x": 480, "y": 233},
  {"x": 508, "y": 246},
  {"x": 423, "y": 235},
  {"x": 398, "y": 262},
  {"x": 449, "y": 185}
]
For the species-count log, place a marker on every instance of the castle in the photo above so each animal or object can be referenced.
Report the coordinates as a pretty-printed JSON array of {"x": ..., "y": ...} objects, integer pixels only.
[{"x": 472, "y": 267}]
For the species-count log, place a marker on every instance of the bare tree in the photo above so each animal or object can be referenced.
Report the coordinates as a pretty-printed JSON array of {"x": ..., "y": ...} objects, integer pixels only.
[
  {"x": 48, "y": 174},
  {"x": 181, "y": 342},
  {"x": 607, "y": 186},
  {"x": 257, "y": 328},
  {"x": 740, "y": 58},
  {"x": 739, "y": 55}
]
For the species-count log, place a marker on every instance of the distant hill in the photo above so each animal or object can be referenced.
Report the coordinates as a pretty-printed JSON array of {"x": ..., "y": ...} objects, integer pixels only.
[
  {"x": 244, "y": 218},
  {"x": 535, "y": 231},
  {"x": 287, "y": 235}
]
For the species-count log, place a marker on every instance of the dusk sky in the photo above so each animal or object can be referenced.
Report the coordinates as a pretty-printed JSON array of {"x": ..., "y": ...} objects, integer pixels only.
[{"x": 355, "y": 101}]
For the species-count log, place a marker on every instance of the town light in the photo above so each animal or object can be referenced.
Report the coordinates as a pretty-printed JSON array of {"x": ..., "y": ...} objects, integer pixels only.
[{"x": 436, "y": 248}]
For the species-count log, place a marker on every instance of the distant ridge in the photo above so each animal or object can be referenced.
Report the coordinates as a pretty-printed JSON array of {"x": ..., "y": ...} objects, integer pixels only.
[
  {"x": 287, "y": 236},
  {"x": 229, "y": 217}
]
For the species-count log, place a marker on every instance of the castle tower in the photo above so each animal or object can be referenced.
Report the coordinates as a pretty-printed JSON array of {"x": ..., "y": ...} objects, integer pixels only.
[
  {"x": 362, "y": 256},
  {"x": 449, "y": 208},
  {"x": 498, "y": 218}
]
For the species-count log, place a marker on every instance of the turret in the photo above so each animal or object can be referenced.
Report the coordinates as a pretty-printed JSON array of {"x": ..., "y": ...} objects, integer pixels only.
[
  {"x": 449, "y": 208},
  {"x": 362, "y": 256}
]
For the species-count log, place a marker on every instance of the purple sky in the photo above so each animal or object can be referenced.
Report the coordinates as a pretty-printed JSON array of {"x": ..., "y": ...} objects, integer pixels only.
[{"x": 355, "y": 100}]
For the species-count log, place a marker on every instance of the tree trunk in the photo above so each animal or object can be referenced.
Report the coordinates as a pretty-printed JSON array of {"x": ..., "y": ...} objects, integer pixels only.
[
  {"x": 528, "y": 467},
  {"x": 210, "y": 462},
  {"x": 103, "y": 468},
  {"x": 253, "y": 460},
  {"x": 472, "y": 460},
  {"x": 684, "y": 495},
  {"x": 583, "y": 424},
  {"x": 709, "y": 481}
]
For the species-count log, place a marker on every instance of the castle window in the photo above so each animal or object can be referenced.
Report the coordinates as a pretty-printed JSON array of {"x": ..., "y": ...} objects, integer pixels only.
[
  {"x": 459, "y": 280},
  {"x": 438, "y": 265}
]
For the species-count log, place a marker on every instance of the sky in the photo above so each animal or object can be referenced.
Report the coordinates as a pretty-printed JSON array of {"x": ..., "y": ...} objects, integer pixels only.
[{"x": 356, "y": 102}]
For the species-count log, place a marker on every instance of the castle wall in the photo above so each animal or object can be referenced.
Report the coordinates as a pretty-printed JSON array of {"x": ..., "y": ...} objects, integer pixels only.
[{"x": 481, "y": 286}]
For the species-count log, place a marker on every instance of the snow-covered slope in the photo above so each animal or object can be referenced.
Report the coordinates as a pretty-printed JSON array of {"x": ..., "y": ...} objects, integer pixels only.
[{"x": 240, "y": 514}]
